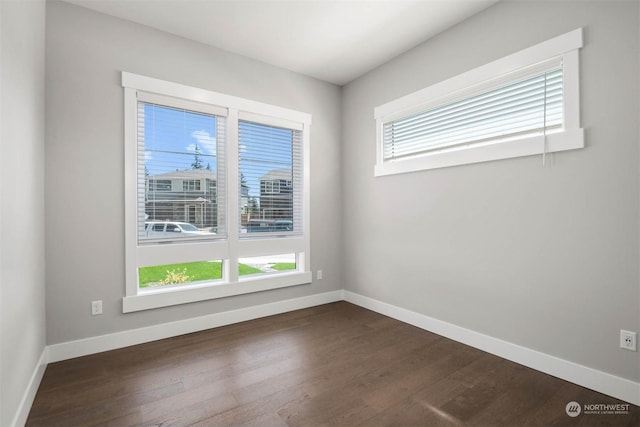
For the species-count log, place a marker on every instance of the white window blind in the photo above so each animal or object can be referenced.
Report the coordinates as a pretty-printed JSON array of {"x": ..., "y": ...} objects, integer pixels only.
[
  {"x": 271, "y": 164},
  {"x": 180, "y": 172},
  {"x": 524, "y": 106}
]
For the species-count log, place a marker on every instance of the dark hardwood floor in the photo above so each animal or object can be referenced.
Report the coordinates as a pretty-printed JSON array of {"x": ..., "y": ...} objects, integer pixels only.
[{"x": 332, "y": 365}]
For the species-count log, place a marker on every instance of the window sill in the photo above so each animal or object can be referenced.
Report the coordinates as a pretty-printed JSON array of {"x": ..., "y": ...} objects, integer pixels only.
[{"x": 174, "y": 296}]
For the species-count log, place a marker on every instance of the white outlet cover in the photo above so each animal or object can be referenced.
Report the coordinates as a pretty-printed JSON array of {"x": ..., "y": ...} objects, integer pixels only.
[
  {"x": 628, "y": 335},
  {"x": 96, "y": 307}
]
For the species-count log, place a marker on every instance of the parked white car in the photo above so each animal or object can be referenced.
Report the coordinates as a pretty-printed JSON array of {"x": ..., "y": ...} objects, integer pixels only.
[{"x": 170, "y": 229}]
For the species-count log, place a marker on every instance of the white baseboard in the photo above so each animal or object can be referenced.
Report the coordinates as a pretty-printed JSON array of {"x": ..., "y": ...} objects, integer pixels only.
[
  {"x": 30, "y": 393},
  {"x": 599, "y": 381},
  {"x": 83, "y": 347}
]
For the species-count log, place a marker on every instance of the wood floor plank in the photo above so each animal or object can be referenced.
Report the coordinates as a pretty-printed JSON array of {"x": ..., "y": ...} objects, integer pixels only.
[
  {"x": 250, "y": 412},
  {"x": 330, "y": 365}
]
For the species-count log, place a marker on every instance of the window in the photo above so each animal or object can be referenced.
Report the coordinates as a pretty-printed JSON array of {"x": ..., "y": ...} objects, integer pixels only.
[
  {"x": 270, "y": 187},
  {"x": 269, "y": 157},
  {"x": 159, "y": 185},
  {"x": 191, "y": 185},
  {"x": 196, "y": 167},
  {"x": 268, "y": 264},
  {"x": 169, "y": 137},
  {"x": 523, "y": 104}
]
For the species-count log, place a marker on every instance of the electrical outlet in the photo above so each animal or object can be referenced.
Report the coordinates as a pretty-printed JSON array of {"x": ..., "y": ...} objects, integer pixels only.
[
  {"x": 96, "y": 307},
  {"x": 628, "y": 340},
  {"x": 319, "y": 274}
]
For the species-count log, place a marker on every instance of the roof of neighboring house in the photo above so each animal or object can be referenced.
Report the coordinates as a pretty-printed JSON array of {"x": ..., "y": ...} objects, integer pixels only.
[
  {"x": 186, "y": 174},
  {"x": 276, "y": 174}
]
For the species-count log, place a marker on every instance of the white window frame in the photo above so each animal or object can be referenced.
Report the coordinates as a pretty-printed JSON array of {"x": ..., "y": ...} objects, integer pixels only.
[
  {"x": 564, "y": 47},
  {"x": 231, "y": 248},
  {"x": 269, "y": 187}
]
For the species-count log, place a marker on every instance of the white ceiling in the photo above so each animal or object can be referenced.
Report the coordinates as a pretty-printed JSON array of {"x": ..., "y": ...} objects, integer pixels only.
[{"x": 335, "y": 41}]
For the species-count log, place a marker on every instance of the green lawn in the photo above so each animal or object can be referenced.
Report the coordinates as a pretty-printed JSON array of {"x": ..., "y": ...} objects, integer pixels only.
[
  {"x": 243, "y": 270},
  {"x": 196, "y": 271},
  {"x": 284, "y": 266}
]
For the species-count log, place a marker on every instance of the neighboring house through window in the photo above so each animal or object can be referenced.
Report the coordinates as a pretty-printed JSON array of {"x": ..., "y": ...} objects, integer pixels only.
[
  {"x": 276, "y": 199},
  {"x": 188, "y": 204}
]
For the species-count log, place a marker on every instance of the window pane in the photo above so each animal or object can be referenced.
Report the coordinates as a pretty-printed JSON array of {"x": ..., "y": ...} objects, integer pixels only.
[
  {"x": 179, "y": 274},
  {"x": 270, "y": 179},
  {"x": 267, "y": 264},
  {"x": 180, "y": 170}
]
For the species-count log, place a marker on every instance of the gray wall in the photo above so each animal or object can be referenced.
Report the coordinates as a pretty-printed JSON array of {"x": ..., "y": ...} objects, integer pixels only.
[
  {"x": 543, "y": 257},
  {"x": 22, "y": 290},
  {"x": 84, "y": 189}
]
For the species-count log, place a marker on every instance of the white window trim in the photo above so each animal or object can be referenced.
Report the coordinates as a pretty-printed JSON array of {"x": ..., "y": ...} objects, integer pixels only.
[
  {"x": 231, "y": 248},
  {"x": 564, "y": 46}
]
